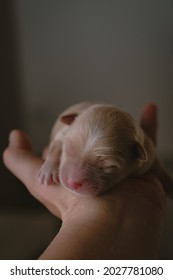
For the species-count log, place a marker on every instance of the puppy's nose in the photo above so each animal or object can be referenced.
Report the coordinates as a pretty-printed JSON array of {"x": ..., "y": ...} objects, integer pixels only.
[{"x": 74, "y": 185}]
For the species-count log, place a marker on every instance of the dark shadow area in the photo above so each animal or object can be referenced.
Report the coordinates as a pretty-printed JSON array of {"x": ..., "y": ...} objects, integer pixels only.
[{"x": 22, "y": 218}]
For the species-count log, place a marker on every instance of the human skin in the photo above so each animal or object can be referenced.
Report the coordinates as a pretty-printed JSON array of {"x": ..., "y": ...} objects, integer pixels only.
[{"x": 126, "y": 222}]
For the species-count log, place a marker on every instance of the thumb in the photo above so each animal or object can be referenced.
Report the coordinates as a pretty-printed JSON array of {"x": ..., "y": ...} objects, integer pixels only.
[
  {"x": 19, "y": 140},
  {"x": 19, "y": 158}
]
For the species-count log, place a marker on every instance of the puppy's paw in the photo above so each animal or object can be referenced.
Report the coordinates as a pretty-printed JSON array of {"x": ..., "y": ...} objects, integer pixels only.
[{"x": 48, "y": 174}]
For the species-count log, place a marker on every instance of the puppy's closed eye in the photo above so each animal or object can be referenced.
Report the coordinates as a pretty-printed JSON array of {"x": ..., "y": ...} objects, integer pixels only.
[
  {"x": 110, "y": 164},
  {"x": 110, "y": 169}
]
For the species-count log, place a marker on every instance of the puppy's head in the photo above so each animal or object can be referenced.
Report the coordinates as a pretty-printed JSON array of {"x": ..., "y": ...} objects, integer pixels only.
[{"x": 102, "y": 146}]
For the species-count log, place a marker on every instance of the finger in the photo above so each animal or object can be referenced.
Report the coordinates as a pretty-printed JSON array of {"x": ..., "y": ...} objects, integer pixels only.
[
  {"x": 149, "y": 121},
  {"x": 19, "y": 159},
  {"x": 19, "y": 140}
]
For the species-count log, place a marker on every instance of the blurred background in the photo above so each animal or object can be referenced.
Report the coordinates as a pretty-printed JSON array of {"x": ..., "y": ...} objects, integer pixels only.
[{"x": 55, "y": 53}]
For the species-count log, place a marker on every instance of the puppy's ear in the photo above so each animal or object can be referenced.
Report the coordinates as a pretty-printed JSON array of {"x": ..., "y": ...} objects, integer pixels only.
[
  {"x": 140, "y": 152},
  {"x": 68, "y": 119}
]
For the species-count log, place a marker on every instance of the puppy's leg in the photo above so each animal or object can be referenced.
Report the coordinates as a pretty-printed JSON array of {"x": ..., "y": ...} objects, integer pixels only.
[{"x": 48, "y": 173}]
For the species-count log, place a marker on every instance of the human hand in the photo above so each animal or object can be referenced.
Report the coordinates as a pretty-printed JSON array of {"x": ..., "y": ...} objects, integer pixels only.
[{"x": 124, "y": 223}]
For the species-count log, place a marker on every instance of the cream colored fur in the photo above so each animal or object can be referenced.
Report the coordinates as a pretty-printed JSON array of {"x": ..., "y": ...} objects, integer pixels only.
[{"x": 95, "y": 146}]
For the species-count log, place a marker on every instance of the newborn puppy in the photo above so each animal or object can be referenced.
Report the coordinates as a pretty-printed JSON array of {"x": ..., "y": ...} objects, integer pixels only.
[{"x": 95, "y": 146}]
